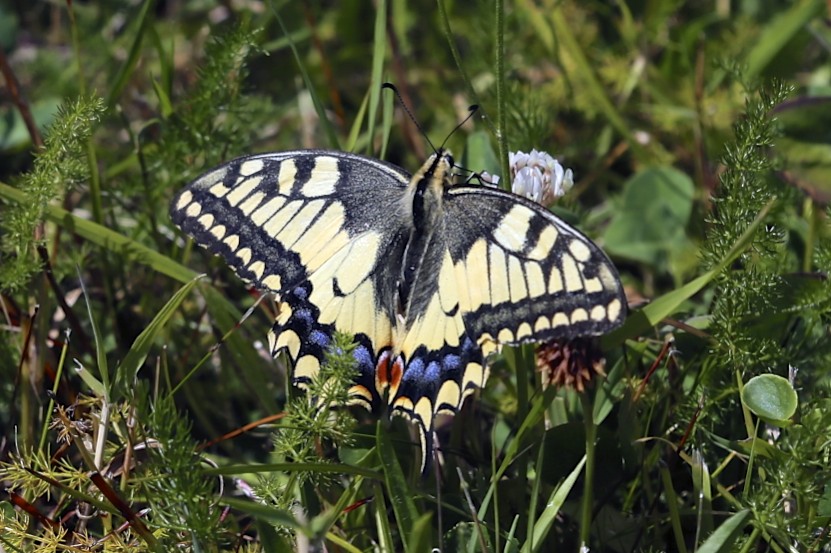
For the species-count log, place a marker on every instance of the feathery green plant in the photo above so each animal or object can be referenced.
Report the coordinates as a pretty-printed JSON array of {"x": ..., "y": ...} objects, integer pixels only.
[{"x": 57, "y": 169}]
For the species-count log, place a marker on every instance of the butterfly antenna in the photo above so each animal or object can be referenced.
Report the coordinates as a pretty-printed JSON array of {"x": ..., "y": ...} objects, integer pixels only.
[
  {"x": 471, "y": 111},
  {"x": 409, "y": 113}
]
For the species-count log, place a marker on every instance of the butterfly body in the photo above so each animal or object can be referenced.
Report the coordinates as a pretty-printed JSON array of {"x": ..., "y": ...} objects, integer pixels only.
[{"x": 429, "y": 277}]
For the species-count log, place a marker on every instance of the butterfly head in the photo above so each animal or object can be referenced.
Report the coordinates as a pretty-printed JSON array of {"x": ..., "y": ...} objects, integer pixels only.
[{"x": 437, "y": 171}]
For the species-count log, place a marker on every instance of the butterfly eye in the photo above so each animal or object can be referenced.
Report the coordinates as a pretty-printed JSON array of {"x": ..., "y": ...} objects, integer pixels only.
[{"x": 450, "y": 161}]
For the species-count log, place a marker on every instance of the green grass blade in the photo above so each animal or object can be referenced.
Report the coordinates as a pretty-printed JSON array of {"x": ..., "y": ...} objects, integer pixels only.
[
  {"x": 125, "y": 71},
  {"x": 501, "y": 91},
  {"x": 535, "y": 414},
  {"x": 399, "y": 492},
  {"x": 420, "y": 539},
  {"x": 89, "y": 379},
  {"x": 109, "y": 239},
  {"x": 546, "y": 519},
  {"x": 704, "y": 494},
  {"x": 129, "y": 367},
  {"x": 222, "y": 309},
  {"x": 672, "y": 506},
  {"x": 163, "y": 85},
  {"x": 323, "y": 523},
  {"x": 321, "y": 468},
  {"x": 641, "y": 321},
  {"x": 779, "y": 32},
  {"x": 457, "y": 57},
  {"x": 724, "y": 537},
  {"x": 100, "y": 352},
  {"x": 586, "y": 81},
  {"x": 386, "y": 123},
  {"x": 536, "y": 483},
  {"x": 262, "y": 512},
  {"x": 283, "y": 42},
  {"x": 355, "y": 130},
  {"x": 382, "y": 520},
  {"x": 325, "y": 124},
  {"x": 379, "y": 44}
]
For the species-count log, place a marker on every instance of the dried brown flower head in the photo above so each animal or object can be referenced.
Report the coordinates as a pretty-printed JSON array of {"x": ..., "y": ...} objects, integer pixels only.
[{"x": 569, "y": 363}]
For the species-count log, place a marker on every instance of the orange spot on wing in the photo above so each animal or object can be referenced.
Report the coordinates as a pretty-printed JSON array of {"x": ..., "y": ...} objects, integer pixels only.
[{"x": 388, "y": 375}]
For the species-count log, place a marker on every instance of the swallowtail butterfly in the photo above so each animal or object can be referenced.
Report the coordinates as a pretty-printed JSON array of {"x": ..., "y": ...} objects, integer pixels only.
[{"x": 430, "y": 277}]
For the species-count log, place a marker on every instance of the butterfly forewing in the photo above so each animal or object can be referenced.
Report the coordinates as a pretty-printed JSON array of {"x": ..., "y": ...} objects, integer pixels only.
[{"x": 531, "y": 277}]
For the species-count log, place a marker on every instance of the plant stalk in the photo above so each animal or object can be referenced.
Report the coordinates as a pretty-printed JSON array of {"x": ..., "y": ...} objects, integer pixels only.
[{"x": 588, "y": 480}]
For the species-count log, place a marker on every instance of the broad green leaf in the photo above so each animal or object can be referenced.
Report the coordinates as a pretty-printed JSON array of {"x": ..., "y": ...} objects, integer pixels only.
[
  {"x": 650, "y": 225},
  {"x": 771, "y": 398}
]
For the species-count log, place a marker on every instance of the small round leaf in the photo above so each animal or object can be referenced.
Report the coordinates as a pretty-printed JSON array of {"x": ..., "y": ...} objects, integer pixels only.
[{"x": 771, "y": 398}]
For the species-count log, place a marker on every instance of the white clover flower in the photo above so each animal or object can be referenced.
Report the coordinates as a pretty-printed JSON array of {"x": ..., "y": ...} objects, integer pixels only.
[
  {"x": 539, "y": 177},
  {"x": 488, "y": 179}
]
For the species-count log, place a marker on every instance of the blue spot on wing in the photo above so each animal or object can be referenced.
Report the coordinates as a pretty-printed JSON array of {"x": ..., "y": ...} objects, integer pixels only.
[
  {"x": 364, "y": 357},
  {"x": 451, "y": 362},
  {"x": 319, "y": 338},
  {"x": 415, "y": 370},
  {"x": 433, "y": 373},
  {"x": 301, "y": 293},
  {"x": 304, "y": 315}
]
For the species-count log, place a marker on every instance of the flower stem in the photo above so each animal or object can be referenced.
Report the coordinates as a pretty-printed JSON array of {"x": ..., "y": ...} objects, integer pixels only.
[
  {"x": 502, "y": 140},
  {"x": 588, "y": 479}
]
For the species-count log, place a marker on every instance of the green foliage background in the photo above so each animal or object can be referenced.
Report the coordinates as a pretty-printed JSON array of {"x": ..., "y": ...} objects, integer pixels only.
[{"x": 698, "y": 135}]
